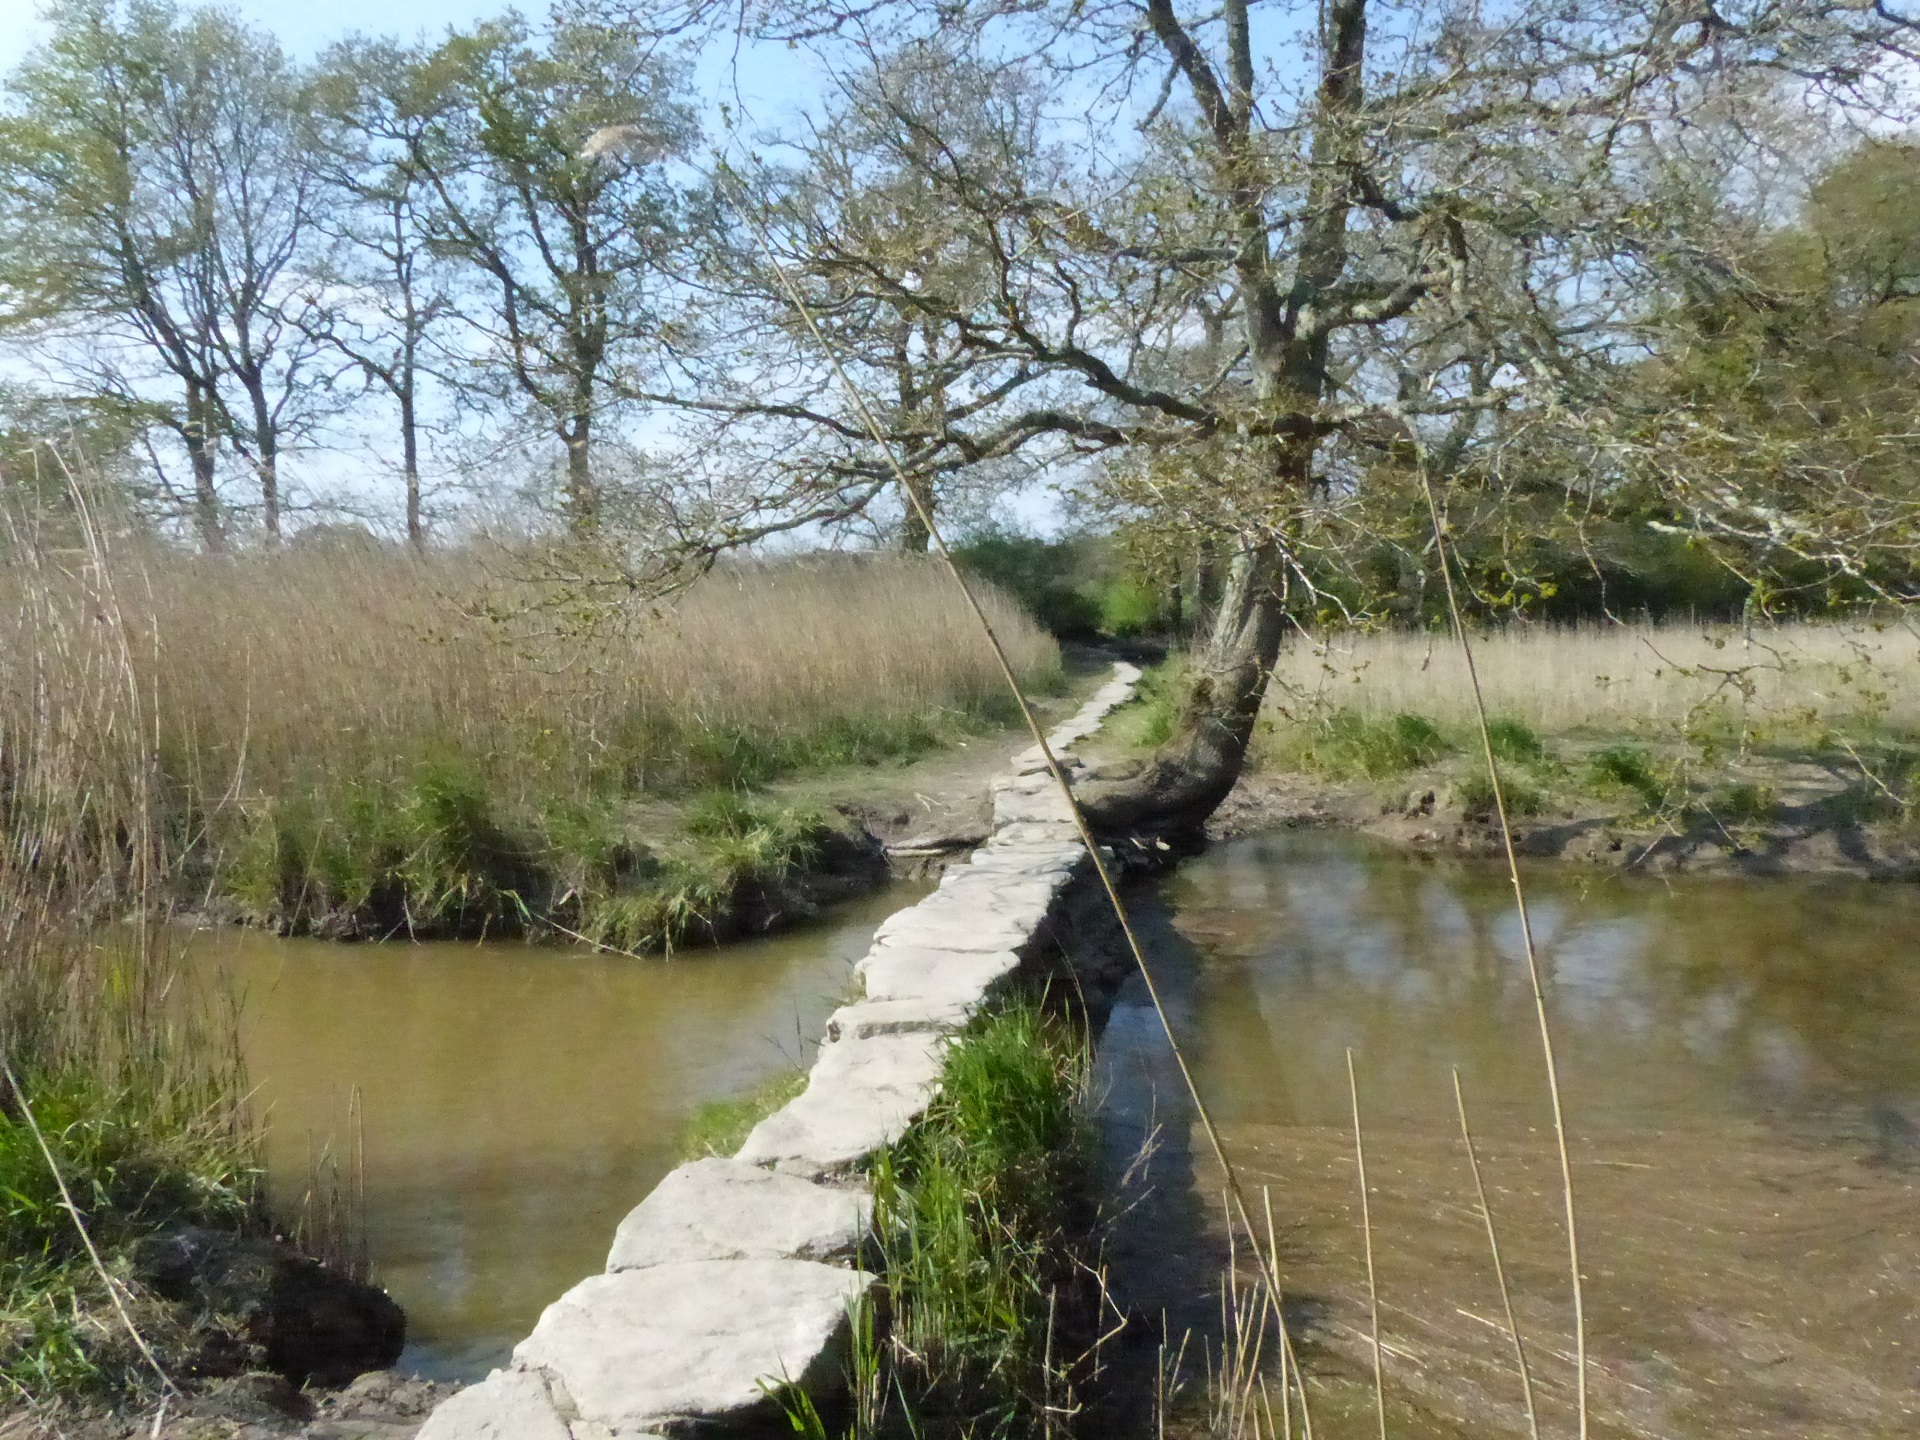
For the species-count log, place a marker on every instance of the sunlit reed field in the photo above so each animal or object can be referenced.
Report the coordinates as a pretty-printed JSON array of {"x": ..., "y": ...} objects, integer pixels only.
[
  {"x": 1661, "y": 679},
  {"x": 348, "y": 660}
]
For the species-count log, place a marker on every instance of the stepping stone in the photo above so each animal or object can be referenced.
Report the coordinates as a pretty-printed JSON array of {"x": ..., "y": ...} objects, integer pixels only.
[
  {"x": 939, "y": 923},
  {"x": 910, "y": 1016},
  {"x": 507, "y": 1405},
  {"x": 961, "y": 978},
  {"x": 722, "y": 1210},
  {"x": 692, "y": 1343},
  {"x": 862, "y": 1095}
]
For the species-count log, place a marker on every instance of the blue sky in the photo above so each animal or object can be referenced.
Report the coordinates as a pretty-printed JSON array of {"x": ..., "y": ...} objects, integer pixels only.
[
  {"x": 767, "y": 77},
  {"x": 302, "y": 28}
]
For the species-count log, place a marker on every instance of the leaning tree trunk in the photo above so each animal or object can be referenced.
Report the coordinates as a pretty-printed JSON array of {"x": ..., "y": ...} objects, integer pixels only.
[{"x": 1188, "y": 777}]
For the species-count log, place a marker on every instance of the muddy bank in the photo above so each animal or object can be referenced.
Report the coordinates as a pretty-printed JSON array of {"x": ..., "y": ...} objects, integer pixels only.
[
  {"x": 380, "y": 1405},
  {"x": 1807, "y": 832}
]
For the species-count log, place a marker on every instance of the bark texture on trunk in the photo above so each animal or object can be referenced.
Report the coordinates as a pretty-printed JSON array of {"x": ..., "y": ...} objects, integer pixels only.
[
  {"x": 914, "y": 535},
  {"x": 1287, "y": 340},
  {"x": 198, "y": 434},
  {"x": 583, "y": 509},
  {"x": 410, "y": 459}
]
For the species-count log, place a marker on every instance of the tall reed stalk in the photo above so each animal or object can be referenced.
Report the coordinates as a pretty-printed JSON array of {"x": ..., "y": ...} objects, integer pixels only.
[{"x": 122, "y": 1113}]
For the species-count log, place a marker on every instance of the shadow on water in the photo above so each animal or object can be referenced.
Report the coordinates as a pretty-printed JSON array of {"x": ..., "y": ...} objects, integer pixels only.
[{"x": 1742, "y": 1065}]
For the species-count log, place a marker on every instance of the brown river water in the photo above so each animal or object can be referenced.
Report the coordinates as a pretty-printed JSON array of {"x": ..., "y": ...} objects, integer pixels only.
[
  {"x": 1741, "y": 1063},
  {"x": 1741, "y": 1067},
  {"x": 515, "y": 1100}
]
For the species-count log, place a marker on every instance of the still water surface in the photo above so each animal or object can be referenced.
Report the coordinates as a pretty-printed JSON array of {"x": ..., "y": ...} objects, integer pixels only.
[
  {"x": 1741, "y": 1062},
  {"x": 517, "y": 1099}
]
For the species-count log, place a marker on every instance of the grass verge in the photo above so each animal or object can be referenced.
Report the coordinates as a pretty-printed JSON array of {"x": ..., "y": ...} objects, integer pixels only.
[{"x": 976, "y": 1213}]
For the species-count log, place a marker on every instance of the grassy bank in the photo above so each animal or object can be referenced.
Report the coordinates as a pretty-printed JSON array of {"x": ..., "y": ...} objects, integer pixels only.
[
  {"x": 981, "y": 1241},
  {"x": 1659, "y": 729},
  {"x": 352, "y": 739}
]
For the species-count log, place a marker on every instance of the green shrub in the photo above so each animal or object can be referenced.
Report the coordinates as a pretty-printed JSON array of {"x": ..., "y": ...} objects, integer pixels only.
[
  {"x": 1514, "y": 740},
  {"x": 730, "y": 843},
  {"x": 1129, "y": 607},
  {"x": 1080, "y": 587},
  {"x": 1348, "y": 744},
  {"x": 1742, "y": 803},
  {"x": 1154, "y": 710},
  {"x": 1627, "y": 767},
  {"x": 136, "y": 1160},
  {"x": 427, "y": 845},
  {"x": 1475, "y": 795}
]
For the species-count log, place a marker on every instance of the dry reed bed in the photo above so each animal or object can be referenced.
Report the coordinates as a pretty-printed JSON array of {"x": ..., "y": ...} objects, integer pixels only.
[
  {"x": 134, "y": 1083},
  {"x": 346, "y": 660},
  {"x": 1651, "y": 680}
]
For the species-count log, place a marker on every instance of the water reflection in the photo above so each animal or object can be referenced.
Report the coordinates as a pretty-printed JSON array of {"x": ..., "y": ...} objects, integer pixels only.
[
  {"x": 518, "y": 1100},
  {"x": 1742, "y": 1066}
]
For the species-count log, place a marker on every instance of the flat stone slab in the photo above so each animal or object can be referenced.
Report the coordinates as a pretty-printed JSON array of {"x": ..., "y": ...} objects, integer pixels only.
[
  {"x": 931, "y": 976},
  {"x": 1007, "y": 894},
  {"x": 944, "y": 921},
  {"x": 1014, "y": 807},
  {"x": 672, "y": 1345},
  {"x": 862, "y": 1094},
  {"x": 723, "y": 1210},
  {"x": 1047, "y": 856},
  {"x": 865, "y": 1019},
  {"x": 507, "y": 1405}
]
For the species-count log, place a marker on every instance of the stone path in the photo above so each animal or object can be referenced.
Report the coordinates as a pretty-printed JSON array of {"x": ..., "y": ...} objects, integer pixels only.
[{"x": 736, "y": 1274}]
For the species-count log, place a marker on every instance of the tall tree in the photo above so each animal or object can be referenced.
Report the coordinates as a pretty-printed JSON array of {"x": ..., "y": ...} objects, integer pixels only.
[
  {"x": 92, "y": 246},
  {"x": 1779, "y": 415},
  {"x": 391, "y": 292},
  {"x": 1423, "y": 219},
  {"x": 156, "y": 202},
  {"x": 795, "y": 449},
  {"x": 546, "y": 158}
]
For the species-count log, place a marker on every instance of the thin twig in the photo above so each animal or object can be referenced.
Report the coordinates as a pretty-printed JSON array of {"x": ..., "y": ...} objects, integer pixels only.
[
  {"x": 1366, "y": 1230},
  {"x": 1526, "y": 938},
  {"x": 1499, "y": 1270}
]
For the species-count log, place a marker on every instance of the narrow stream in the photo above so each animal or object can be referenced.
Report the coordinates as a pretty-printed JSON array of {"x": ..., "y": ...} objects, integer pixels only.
[
  {"x": 1741, "y": 1061},
  {"x": 517, "y": 1100}
]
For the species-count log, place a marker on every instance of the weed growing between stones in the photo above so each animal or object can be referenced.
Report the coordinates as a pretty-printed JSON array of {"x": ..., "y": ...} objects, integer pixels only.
[
  {"x": 720, "y": 1127},
  {"x": 979, "y": 1214}
]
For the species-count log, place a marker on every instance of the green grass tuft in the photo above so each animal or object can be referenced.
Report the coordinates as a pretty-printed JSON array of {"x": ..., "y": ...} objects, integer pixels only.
[
  {"x": 1514, "y": 740},
  {"x": 1475, "y": 795},
  {"x": 1742, "y": 803},
  {"x": 720, "y": 1127},
  {"x": 1628, "y": 768},
  {"x": 971, "y": 1211},
  {"x": 730, "y": 844},
  {"x": 1347, "y": 744}
]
